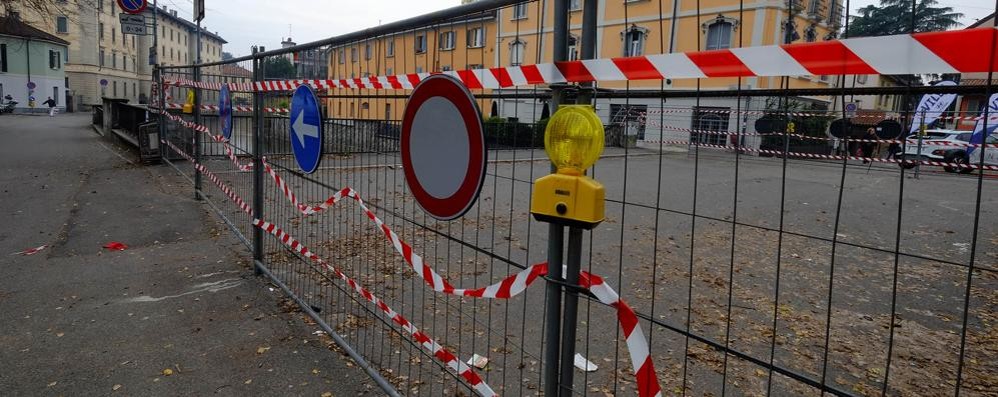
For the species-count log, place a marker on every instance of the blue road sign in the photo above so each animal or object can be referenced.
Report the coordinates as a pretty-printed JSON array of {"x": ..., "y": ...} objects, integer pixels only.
[
  {"x": 225, "y": 111},
  {"x": 306, "y": 129}
]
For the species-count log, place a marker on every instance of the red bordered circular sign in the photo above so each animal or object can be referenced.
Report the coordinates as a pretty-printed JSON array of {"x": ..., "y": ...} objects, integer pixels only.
[
  {"x": 443, "y": 147},
  {"x": 133, "y": 6}
]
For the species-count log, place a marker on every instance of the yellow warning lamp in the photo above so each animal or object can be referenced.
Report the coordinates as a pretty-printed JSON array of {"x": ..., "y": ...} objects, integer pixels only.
[
  {"x": 791, "y": 127},
  {"x": 189, "y": 105},
  {"x": 573, "y": 141}
]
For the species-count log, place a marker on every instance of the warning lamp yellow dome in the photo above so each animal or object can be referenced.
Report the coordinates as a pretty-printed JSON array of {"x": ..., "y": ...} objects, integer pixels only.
[{"x": 573, "y": 138}]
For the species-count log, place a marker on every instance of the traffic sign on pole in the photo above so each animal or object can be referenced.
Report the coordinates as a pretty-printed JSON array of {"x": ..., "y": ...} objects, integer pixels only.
[
  {"x": 225, "y": 111},
  {"x": 133, "y": 6},
  {"x": 443, "y": 147},
  {"x": 306, "y": 129},
  {"x": 133, "y": 24}
]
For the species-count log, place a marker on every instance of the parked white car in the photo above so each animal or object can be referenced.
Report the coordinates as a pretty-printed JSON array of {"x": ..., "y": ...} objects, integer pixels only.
[{"x": 951, "y": 147}]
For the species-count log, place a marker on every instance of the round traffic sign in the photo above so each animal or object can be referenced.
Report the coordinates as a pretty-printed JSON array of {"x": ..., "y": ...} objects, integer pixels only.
[
  {"x": 443, "y": 147},
  {"x": 31, "y": 85},
  {"x": 103, "y": 82},
  {"x": 133, "y": 6},
  {"x": 306, "y": 129},
  {"x": 225, "y": 111}
]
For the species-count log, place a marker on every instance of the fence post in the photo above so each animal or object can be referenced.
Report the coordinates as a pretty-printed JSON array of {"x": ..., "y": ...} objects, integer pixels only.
[
  {"x": 556, "y": 234},
  {"x": 157, "y": 89},
  {"x": 197, "y": 135},
  {"x": 258, "y": 121}
]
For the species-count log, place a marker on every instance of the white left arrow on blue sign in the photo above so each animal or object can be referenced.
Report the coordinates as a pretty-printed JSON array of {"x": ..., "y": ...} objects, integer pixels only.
[{"x": 302, "y": 129}]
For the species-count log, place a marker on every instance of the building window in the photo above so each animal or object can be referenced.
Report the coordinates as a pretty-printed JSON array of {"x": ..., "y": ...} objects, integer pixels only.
[
  {"x": 390, "y": 48},
  {"x": 575, "y": 5},
  {"x": 810, "y": 34},
  {"x": 342, "y": 57},
  {"x": 389, "y": 72},
  {"x": 710, "y": 121},
  {"x": 634, "y": 41},
  {"x": 861, "y": 79},
  {"x": 353, "y": 54},
  {"x": 719, "y": 33},
  {"x": 516, "y": 50},
  {"x": 100, "y": 31},
  {"x": 3, "y": 57},
  {"x": 367, "y": 52},
  {"x": 573, "y": 48},
  {"x": 420, "y": 44},
  {"x": 476, "y": 38},
  {"x": 62, "y": 25},
  {"x": 114, "y": 60},
  {"x": 446, "y": 68},
  {"x": 447, "y": 40},
  {"x": 115, "y": 88},
  {"x": 520, "y": 11},
  {"x": 55, "y": 59},
  {"x": 114, "y": 35},
  {"x": 419, "y": 69},
  {"x": 101, "y": 61},
  {"x": 476, "y": 66}
]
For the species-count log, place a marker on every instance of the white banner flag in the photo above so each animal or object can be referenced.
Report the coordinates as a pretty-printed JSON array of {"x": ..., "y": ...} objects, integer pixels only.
[{"x": 931, "y": 107}]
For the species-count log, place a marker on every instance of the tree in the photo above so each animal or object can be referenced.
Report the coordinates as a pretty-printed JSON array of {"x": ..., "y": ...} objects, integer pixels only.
[
  {"x": 894, "y": 17},
  {"x": 226, "y": 55},
  {"x": 279, "y": 67}
]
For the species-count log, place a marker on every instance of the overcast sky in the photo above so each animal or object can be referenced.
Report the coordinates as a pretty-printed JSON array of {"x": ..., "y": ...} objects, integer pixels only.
[{"x": 245, "y": 23}]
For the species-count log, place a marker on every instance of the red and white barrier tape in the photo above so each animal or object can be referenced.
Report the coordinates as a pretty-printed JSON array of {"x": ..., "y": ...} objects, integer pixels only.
[
  {"x": 829, "y": 156},
  {"x": 831, "y": 113},
  {"x": 211, "y": 176},
  {"x": 925, "y": 141},
  {"x": 217, "y": 138},
  {"x": 954, "y": 51},
  {"x": 637, "y": 344},
  {"x": 425, "y": 340},
  {"x": 505, "y": 289},
  {"x": 438, "y": 351},
  {"x": 31, "y": 251}
]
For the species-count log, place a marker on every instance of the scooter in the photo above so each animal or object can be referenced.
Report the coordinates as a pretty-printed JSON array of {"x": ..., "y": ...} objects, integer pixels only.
[{"x": 8, "y": 107}]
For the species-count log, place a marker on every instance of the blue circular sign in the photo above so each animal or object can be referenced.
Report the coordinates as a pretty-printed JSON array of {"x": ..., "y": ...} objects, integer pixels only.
[
  {"x": 305, "y": 131},
  {"x": 31, "y": 85},
  {"x": 225, "y": 111}
]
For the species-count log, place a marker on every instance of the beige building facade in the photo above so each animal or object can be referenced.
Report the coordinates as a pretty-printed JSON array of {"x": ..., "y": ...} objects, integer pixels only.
[{"x": 104, "y": 62}]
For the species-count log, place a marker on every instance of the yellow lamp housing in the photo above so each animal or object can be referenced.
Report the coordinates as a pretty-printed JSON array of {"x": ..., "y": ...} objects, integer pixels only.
[
  {"x": 189, "y": 105},
  {"x": 573, "y": 141}
]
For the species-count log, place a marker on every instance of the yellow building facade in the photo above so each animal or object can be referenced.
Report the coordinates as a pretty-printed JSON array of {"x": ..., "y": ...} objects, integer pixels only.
[{"x": 523, "y": 34}]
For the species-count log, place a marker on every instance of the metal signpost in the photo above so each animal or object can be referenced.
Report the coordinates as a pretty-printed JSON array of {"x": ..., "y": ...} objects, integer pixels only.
[
  {"x": 305, "y": 132},
  {"x": 443, "y": 147}
]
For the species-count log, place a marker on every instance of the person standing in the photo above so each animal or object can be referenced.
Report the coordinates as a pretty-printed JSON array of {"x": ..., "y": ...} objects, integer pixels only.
[
  {"x": 51, "y": 103},
  {"x": 870, "y": 146}
]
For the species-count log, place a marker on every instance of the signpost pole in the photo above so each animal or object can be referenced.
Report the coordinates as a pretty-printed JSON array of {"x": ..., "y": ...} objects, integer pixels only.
[{"x": 556, "y": 234}]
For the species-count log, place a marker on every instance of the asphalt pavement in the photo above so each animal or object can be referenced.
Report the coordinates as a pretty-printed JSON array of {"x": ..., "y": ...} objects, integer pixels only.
[{"x": 179, "y": 312}]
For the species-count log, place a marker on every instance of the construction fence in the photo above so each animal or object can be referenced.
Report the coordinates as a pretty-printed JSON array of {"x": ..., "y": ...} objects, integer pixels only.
[{"x": 762, "y": 238}]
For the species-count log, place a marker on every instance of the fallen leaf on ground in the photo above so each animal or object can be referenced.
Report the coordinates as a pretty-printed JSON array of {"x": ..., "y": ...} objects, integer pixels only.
[
  {"x": 168, "y": 372},
  {"x": 327, "y": 394},
  {"x": 248, "y": 381},
  {"x": 53, "y": 384},
  {"x": 261, "y": 350},
  {"x": 115, "y": 387}
]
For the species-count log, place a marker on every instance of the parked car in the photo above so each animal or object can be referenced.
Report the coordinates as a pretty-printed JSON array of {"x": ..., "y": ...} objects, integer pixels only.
[
  {"x": 946, "y": 146},
  {"x": 960, "y": 156}
]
